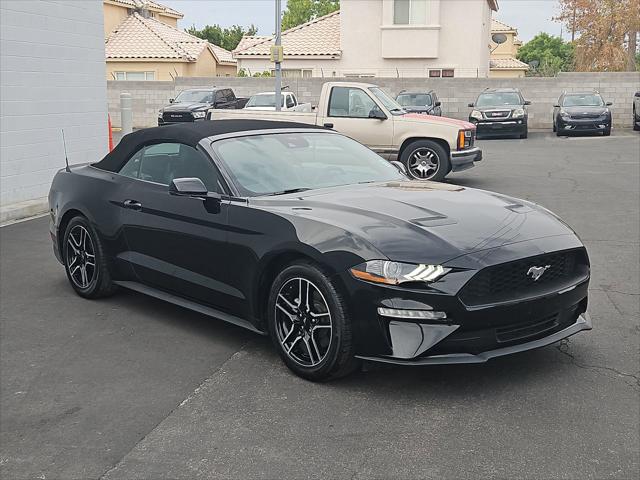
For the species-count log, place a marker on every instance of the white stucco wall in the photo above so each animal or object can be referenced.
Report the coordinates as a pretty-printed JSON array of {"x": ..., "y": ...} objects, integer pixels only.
[
  {"x": 456, "y": 36},
  {"x": 52, "y": 76}
]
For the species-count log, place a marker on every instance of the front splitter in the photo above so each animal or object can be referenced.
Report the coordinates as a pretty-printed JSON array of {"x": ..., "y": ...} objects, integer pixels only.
[{"x": 583, "y": 322}]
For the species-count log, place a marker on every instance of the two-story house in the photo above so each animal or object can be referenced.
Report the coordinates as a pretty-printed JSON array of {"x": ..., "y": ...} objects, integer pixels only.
[
  {"x": 503, "y": 62},
  {"x": 143, "y": 42},
  {"x": 384, "y": 38}
]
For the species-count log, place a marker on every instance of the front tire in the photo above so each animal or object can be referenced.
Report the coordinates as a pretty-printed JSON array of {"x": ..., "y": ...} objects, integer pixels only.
[
  {"x": 426, "y": 160},
  {"x": 607, "y": 131},
  {"x": 85, "y": 261},
  {"x": 309, "y": 324},
  {"x": 525, "y": 134}
]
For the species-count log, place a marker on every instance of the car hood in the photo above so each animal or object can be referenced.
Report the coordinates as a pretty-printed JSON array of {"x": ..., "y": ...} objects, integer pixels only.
[
  {"x": 433, "y": 119},
  {"x": 186, "y": 107},
  {"x": 422, "y": 222},
  {"x": 585, "y": 110}
]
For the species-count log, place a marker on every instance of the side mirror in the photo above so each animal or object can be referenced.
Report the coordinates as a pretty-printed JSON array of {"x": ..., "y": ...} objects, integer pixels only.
[
  {"x": 376, "y": 112},
  {"x": 637, "y": 94},
  {"x": 171, "y": 100},
  {"x": 192, "y": 187},
  {"x": 400, "y": 166},
  {"x": 472, "y": 104},
  {"x": 527, "y": 102},
  {"x": 437, "y": 104},
  {"x": 609, "y": 104},
  {"x": 556, "y": 106}
]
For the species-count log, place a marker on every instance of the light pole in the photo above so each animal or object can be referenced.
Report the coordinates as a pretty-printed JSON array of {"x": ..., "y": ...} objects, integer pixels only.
[{"x": 277, "y": 56}]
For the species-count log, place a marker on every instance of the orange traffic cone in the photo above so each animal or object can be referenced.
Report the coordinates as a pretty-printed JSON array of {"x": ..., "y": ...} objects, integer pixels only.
[{"x": 110, "y": 132}]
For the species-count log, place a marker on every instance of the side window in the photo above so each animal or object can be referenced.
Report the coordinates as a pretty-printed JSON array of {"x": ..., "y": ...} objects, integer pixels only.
[
  {"x": 290, "y": 102},
  {"x": 350, "y": 102},
  {"x": 163, "y": 162},
  {"x": 220, "y": 96},
  {"x": 230, "y": 95}
]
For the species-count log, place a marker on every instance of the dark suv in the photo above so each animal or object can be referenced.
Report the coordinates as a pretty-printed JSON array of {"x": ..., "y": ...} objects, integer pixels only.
[
  {"x": 192, "y": 105},
  {"x": 500, "y": 111},
  {"x": 420, "y": 102},
  {"x": 583, "y": 112}
]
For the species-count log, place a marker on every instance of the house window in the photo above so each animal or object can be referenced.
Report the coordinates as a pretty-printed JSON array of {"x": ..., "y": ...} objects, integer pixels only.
[
  {"x": 447, "y": 73},
  {"x": 135, "y": 76},
  {"x": 434, "y": 73},
  {"x": 294, "y": 73},
  {"x": 410, "y": 12}
]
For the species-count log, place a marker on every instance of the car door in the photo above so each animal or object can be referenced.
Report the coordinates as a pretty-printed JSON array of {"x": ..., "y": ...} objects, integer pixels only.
[
  {"x": 349, "y": 112},
  {"x": 176, "y": 243}
]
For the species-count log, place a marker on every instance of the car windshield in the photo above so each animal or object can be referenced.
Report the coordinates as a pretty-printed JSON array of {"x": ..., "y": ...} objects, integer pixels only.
[
  {"x": 584, "y": 100},
  {"x": 195, "y": 96},
  {"x": 498, "y": 99},
  {"x": 394, "y": 107},
  {"x": 264, "y": 100},
  {"x": 414, "y": 99},
  {"x": 279, "y": 163}
]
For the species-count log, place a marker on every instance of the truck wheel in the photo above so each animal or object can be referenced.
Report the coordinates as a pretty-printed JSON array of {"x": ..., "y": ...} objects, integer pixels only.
[{"x": 426, "y": 160}]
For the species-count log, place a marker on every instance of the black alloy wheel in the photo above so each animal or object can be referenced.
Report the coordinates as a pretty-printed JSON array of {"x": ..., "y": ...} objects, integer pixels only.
[
  {"x": 84, "y": 260},
  {"x": 309, "y": 325}
]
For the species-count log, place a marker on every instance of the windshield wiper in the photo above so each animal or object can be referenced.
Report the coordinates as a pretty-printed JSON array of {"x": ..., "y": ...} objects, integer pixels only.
[{"x": 290, "y": 190}]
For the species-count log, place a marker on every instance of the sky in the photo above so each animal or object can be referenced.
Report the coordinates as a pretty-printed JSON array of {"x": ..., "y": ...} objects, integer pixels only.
[{"x": 528, "y": 16}]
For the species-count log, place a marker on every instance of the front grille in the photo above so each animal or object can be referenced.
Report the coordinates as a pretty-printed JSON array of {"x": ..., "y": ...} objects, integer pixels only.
[
  {"x": 526, "y": 330},
  {"x": 514, "y": 280},
  {"x": 171, "y": 117},
  {"x": 497, "y": 113},
  {"x": 585, "y": 116}
]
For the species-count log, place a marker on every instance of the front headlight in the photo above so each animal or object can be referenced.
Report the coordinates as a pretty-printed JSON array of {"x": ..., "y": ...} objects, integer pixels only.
[
  {"x": 199, "y": 114},
  {"x": 476, "y": 114},
  {"x": 395, "y": 273},
  {"x": 518, "y": 113},
  {"x": 159, "y": 113},
  {"x": 564, "y": 114}
]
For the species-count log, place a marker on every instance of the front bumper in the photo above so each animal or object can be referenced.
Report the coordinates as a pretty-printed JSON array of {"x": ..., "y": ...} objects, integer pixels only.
[
  {"x": 501, "y": 127},
  {"x": 465, "y": 159},
  {"x": 435, "y": 333},
  {"x": 586, "y": 126}
]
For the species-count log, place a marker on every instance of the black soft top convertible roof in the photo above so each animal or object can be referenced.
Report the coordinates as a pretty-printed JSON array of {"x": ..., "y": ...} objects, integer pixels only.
[{"x": 187, "y": 133}]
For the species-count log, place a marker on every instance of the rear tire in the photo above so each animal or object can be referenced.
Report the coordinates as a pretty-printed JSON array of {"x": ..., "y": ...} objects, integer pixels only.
[
  {"x": 426, "y": 160},
  {"x": 607, "y": 132},
  {"x": 85, "y": 261},
  {"x": 309, "y": 324},
  {"x": 525, "y": 134}
]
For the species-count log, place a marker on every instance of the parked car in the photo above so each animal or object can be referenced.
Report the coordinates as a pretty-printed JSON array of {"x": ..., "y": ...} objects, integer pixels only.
[
  {"x": 429, "y": 147},
  {"x": 636, "y": 111},
  {"x": 267, "y": 101},
  {"x": 192, "y": 105},
  {"x": 500, "y": 111},
  {"x": 581, "y": 113},
  {"x": 420, "y": 102},
  {"x": 305, "y": 235}
]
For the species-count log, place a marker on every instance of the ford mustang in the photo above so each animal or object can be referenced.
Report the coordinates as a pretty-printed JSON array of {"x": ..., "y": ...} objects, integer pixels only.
[{"x": 307, "y": 236}]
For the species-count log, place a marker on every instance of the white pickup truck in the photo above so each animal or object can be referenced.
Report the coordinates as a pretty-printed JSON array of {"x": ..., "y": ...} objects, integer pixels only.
[{"x": 430, "y": 147}]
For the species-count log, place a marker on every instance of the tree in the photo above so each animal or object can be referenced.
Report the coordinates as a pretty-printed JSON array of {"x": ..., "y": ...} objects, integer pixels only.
[
  {"x": 606, "y": 32},
  {"x": 227, "y": 38},
  {"x": 301, "y": 11},
  {"x": 553, "y": 54}
]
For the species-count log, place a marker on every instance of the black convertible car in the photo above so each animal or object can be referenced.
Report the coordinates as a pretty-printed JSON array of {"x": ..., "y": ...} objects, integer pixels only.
[{"x": 306, "y": 235}]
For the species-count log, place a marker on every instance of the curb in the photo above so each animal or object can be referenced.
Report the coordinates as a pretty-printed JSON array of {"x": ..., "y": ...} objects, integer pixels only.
[{"x": 21, "y": 210}]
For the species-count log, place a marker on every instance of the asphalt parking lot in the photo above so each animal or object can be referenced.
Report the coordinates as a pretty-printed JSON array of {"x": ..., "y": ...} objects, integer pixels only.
[{"x": 131, "y": 387}]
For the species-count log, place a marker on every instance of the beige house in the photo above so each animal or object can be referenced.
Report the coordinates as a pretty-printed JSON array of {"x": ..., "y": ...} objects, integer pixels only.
[
  {"x": 144, "y": 43},
  {"x": 383, "y": 38},
  {"x": 503, "y": 61}
]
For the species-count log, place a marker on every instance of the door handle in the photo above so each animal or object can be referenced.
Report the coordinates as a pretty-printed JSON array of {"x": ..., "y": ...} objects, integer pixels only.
[
  {"x": 328, "y": 125},
  {"x": 132, "y": 204}
]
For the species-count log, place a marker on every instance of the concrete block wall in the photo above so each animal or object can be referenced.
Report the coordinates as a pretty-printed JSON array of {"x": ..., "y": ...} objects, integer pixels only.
[
  {"x": 51, "y": 77},
  {"x": 455, "y": 93}
]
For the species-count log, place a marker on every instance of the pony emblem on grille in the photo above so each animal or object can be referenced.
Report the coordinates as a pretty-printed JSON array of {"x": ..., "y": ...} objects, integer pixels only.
[{"x": 536, "y": 272}]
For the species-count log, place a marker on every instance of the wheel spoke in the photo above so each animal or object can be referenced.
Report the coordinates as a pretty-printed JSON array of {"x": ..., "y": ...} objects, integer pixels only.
[
  {"x": 73, "y": 247},
  {"x": 283, "y": 310},
  {"x": 306, "y": 343},
  {"x": 293, "y": 344},
  {"x": 83, "y": 271},
  {"x": 316, "y": 327},
  {"x": 316, "y": 349},
  {"x": 286, "y": 338}
]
